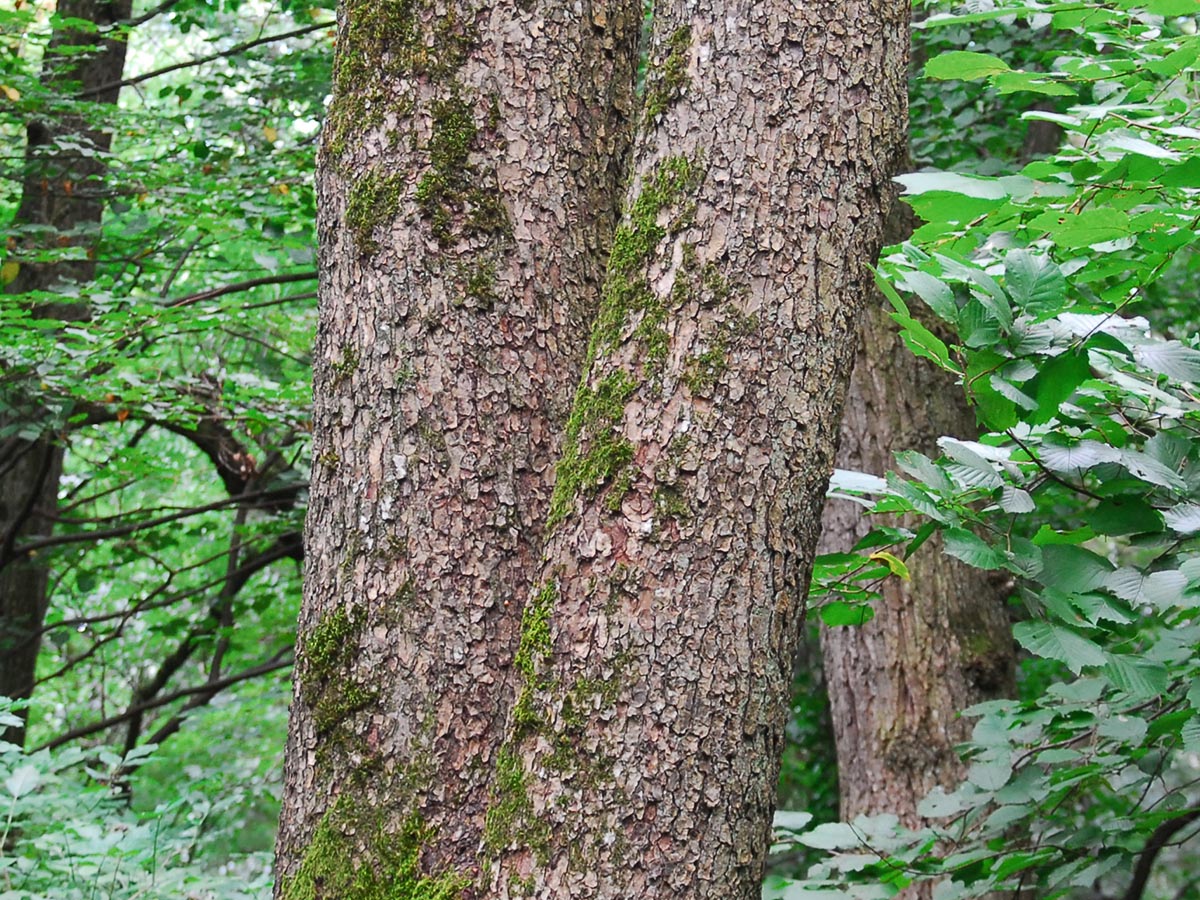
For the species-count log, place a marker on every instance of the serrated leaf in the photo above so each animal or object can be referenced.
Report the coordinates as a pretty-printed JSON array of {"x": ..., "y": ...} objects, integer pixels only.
[
  {"x": 1127, "y": 729},
  {"x": 1058, "y": 643},
  {"x": 1139, "y": 677},
  {"x": 846, "y": 480},
  {"x": 1083, "y": 229},
  {"x": 965, "y": 65},
  {"x": 1016, "y": 501},
  {"x": 1124, "y": 515},
  {"x": 922, "y": 468},
  {"x": 991, "y": 775},
  {"x": 1077, "y": 458},
  {"x": 1183, "y": 519},
  {"x": 1161, "y": 590},
  {"x": 936, "y": 293},
  {"x": 1032, "y": 82},
  {"x": 1171, "y": 358},
  {"x": 923, "y": 342},
  {"x": 1056, "y": 382},
  {"x": 1033, "y": 279},
  {"x": 937, "y": 804},
  {"x": 832, "y": 836},
  {"x": 971, "y": 549},
  {"x": 1190, "y": 734},
  {"x": 24, "y": 780},
  {"x": 1097, "y": 608},
  {"x": 1193, "y": 694},
  {"x": 916, "y": 183},
  {"x": 791, "y": 819}
]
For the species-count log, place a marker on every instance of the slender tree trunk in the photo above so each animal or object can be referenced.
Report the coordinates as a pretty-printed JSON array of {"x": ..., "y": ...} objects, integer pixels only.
[
  {"x": 656, "y": 649},
  {"x": 62, "y": 195},
  {"x": 468, "y": 188},
  {"x": 938, "y": 643}
]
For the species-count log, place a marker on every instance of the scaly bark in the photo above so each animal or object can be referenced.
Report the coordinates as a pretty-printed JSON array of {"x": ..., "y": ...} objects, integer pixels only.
[
  {"x": 938, "y": 643},
  {"x": 62, "y": 196},
  {"x": 468, "y": 187},
  {"x": 656, "y": 650}
]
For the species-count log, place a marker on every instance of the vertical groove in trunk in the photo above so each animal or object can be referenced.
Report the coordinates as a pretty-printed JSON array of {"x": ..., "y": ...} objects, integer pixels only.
[
  {"x": 656, "y": 651},
  {"x": 468, "y": 186},
  {"x": 938, "y": 643},
  {"x": 63, "y": 191}
]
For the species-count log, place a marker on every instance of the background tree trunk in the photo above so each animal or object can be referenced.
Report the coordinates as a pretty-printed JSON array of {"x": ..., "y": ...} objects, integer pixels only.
[
  {"x": 62, "y": 197},
  {"x": 656, "y": 650},
  {"x": 468, "y": 189},
  {"x": 939, "y": 642}
]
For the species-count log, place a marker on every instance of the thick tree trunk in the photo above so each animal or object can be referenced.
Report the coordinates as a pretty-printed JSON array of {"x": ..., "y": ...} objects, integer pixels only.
[
  {"x": 939, "y": 642},
  {"x": 656, "y": 649},
  {"x": 468, "y": 192},
  {"x": 63, "y": 192}
]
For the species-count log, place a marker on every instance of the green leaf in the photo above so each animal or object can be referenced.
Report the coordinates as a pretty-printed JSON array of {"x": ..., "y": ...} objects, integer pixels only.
[
  {"x": 1033, "y": 280},
  {"x": 965, "y": 65},
  {"x": 936, "y": 293},
  {"x": 1171, "y": 358},
  {"x": 1033, "y": 83},
  {"x": 971, "y": 549},
  {"x": 1058, "y": 643},
  {"x": 832, "y": 836},
  {"x": 1074, "y": 230},
  {"x": 1073, "y": 570},
  {"x": 1160, "y": 589},
  {"x": 839, "y": 613},
  {"x": 923, "y": 342},
  {"x": 23, "y": 780},
  {"x": 916, "y": 183},
  {"x": 1137, "y": 676},
  {"x": 1124, "y": 515},
  {"x": 990, "y": 775},
  {"x": 1058, "y": 380},
  {"x": 1183, "y": 519}
]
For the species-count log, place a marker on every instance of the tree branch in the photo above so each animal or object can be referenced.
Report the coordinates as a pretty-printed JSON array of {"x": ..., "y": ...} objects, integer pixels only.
[
  {"x": 212, "y": 57},
  {"x": 1159, "y": 839},
  {"x": 273, "y": 494},
  {"x": 280, "y": 660}
]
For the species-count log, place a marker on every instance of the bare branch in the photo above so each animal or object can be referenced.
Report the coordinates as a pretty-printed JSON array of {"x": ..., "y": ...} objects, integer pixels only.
[
  {"x": 212, "y": 57},
  {"x": 280, "y": 660}
]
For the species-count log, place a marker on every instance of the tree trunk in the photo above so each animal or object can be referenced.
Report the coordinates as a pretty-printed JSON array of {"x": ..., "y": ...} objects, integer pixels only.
[
  {"x": 62, "y": 191},
  {"x": 468, "y": 188},
  {"x": 656, "y": 648},
  {"x": 938, "y": 643}
]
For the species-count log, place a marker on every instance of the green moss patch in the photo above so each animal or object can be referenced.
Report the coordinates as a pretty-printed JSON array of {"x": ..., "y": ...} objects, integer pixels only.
[
  {"x": 353, "y": 857},
  {"x": 373, "y": 200},
  {"x": 510, "y": 817},
  {"x": 453, "y": 194},
  {"x": 594, "y": 452},
  {"x": 666, "y": 81},
  {"x": 325, "y": 681},
  {"x": 383, "y": 43}
]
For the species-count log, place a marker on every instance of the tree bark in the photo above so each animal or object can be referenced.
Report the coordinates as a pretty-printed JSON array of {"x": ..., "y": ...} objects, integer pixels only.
[
  {"x": 656, "y": 648},
  {"x": 468, "y": 187},
  {"x": 62, "y": 191},
  {"x": 938, "y": 643}
]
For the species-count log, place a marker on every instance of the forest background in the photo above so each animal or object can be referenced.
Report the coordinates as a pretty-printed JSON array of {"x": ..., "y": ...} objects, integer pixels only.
[{"x": 155, "y": 341}]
